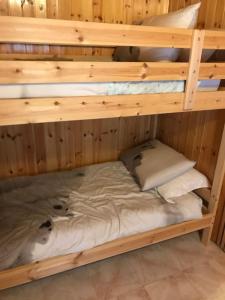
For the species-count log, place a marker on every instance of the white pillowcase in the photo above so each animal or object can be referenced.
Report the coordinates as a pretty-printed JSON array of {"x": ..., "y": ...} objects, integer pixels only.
[
  {"x": 182, "y": 18},
  {"x": 159, "y": 165},
  {"x": 183, "y": 184}
]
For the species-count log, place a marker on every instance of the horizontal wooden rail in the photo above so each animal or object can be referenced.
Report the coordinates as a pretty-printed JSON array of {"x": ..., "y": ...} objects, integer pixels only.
[
  {"x": 212, "y": 71},
  {"x": 59, "y": 72},
  {"x": 209, "y": 101},
  {"x": 40, "y": 110},
  {"x": 35, "y": 271},
  {"x": 214, "y": 39},
  {"x": 63, "y": 32},
  {"x": 62, "y": 72}
]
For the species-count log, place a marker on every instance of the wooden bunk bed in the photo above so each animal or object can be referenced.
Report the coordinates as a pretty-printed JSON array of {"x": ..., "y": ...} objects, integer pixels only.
[{"x": 37, "y": 110}]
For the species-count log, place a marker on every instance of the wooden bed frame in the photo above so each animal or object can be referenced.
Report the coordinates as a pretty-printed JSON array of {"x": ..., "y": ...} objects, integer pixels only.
[{"x": 30, "y": 69}]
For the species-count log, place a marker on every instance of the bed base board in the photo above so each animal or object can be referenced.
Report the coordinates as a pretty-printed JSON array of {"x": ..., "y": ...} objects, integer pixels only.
[{"x": 34, "y": 271}]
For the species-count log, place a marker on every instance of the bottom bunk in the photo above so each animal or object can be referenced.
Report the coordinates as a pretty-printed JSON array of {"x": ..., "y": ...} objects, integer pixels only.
[
  {"x": 55, "y": 222},
  {"x": 37, "y": 270}
]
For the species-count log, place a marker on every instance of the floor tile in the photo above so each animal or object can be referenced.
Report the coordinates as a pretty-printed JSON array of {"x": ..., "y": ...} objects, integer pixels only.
[{"x": 178, "y": 269}]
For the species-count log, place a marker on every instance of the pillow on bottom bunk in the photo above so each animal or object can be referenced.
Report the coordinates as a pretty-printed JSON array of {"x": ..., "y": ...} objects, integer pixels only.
[
  {"x": 155, "y": 163},
  {"x": 183, "y": 184}
]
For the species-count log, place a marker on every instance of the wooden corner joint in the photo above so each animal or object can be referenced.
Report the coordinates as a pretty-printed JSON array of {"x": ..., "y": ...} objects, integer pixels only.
[{"x": 194, "y": 67}]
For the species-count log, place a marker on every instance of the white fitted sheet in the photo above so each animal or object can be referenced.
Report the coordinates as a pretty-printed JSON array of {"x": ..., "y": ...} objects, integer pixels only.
[{"x": 104, "y": 204}]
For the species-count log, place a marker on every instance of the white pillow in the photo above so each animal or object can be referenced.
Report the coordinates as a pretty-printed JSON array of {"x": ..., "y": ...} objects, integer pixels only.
[
  {"x": 183, "y": 18},
  {"x": 159, "y": 165},
  {"x": 183, "y": 184}
]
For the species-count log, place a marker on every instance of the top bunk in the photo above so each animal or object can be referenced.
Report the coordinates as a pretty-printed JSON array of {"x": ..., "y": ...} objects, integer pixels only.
[{"x": 31, "y": 70}]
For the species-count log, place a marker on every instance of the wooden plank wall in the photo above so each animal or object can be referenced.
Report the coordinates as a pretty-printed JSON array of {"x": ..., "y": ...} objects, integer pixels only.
[
  {"x": 40, "y": 148},
  {"x": 200, "y": 127},
  {"x": 198, "y": 136}
]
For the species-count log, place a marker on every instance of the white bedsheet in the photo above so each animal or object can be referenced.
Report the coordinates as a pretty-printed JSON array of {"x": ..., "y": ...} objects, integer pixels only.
[{"x": 105, "y": 202}]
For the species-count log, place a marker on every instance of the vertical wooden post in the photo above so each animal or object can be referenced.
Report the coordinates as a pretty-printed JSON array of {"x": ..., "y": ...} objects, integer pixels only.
[
  {"x": 194, "y": 66},
  {"x": 216, "y": 188}
]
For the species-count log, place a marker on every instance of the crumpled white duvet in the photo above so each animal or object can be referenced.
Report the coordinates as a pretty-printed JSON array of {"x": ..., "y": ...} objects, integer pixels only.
[{"x": 85, "y": 207}]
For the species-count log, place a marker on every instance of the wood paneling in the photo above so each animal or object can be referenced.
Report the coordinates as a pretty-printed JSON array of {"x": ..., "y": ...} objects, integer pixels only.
[{"x": 32, "y": 149}]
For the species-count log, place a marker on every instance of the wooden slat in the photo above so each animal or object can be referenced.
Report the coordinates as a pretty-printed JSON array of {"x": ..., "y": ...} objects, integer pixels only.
[
  {"x": 214, "y": 39},
  {"x": 59, "y": 72},
  {"x": 194, "y": 66},
  {"x": 209, "y": 101},
  {"x": 53, "y": 57},
  {"x": 92, "y": 71},
  {"x": 39, "y": 110},
  {"x": 35, "y": 271},
  {"x": 63, "y": 32},
  {"x": 212, "y": 71}
]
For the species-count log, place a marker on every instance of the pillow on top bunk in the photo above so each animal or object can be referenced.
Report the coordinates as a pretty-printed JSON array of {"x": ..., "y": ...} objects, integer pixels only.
[
  {"x": 155, "y": 163},
  {"x": 183, "y": 184},
  {"x": 183, "y": 18}
]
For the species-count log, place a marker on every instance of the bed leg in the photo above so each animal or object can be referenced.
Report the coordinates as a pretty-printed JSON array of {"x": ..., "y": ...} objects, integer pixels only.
[{"x": 206, "y": 235}]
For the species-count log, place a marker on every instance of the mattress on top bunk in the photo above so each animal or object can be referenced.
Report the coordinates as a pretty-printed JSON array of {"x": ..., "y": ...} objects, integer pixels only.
[
  {"x": 99, "y": 203},
  {"x": 90, "y": 89}
]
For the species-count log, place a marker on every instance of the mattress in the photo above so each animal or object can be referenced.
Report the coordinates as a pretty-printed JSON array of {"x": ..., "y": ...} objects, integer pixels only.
[
  {"x": 66, "y": 212},
  {"x": 90, "y": 89}
]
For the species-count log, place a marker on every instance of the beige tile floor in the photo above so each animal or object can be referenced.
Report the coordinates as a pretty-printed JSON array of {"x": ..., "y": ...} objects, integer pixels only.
[{"x": 178, "y": 269}]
